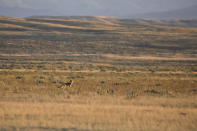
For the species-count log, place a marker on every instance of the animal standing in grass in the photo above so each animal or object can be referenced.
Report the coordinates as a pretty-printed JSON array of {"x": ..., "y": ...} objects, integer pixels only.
[{"x": 67, "y": 84}]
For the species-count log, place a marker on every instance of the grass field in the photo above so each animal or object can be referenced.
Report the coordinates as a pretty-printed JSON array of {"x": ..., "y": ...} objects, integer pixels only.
[{"x": 128, "y": 74}]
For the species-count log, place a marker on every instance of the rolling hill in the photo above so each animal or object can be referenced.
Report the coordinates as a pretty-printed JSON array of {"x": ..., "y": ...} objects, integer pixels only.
[
  {"x": 118, "y": 20},
  {"x": 97, "y": 36}
]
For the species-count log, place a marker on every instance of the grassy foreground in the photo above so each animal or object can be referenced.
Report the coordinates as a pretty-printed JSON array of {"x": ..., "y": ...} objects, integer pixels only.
[
  {"x": 98, "y": 100},
  {"x": 100, "y": 113}
]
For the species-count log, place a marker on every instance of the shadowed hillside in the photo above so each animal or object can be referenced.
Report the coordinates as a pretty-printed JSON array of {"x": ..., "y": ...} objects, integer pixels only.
[
  {"x": 146, "y": 21},
  {"x": 96, "y": 35}
]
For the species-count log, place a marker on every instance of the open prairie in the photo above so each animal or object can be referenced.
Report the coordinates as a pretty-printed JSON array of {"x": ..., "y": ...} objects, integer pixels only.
[{"x": 128, "y": 74}]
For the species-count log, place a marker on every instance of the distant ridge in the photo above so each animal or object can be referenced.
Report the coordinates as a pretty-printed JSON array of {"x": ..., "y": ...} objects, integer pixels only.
[
  {"x": 174, "y": 23},
  {"x": 22, "y": 12},
  {"x": 183, "y": 14},
  {"x": 91, "y": 18},
  {"x": 116, "y": 20}
]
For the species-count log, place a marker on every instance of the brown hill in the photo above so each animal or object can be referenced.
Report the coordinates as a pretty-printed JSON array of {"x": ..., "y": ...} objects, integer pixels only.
[{"x": 96, "y": 35}]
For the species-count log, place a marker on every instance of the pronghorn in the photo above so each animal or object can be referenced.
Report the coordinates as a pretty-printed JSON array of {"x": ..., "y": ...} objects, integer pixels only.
[{"x": 67, "y": 84}]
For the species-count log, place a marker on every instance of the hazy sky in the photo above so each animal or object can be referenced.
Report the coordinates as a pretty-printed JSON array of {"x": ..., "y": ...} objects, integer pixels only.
[{"x": 98, "y": 7}]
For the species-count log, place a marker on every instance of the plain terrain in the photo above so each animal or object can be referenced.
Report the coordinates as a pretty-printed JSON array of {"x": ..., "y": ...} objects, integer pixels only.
[{"x": 128, "y": 74}]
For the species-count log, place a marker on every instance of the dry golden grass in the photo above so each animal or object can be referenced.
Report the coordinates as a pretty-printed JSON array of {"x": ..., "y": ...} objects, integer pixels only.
[
  {"x": 107, "y": 101},
  {"x": 101, "y": 113},
  {"x": 97, "y": 25}
]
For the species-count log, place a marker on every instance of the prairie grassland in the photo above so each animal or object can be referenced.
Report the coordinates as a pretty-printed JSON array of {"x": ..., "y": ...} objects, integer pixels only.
[
  {"x": 128, "y": 74},
  {"x": 102, "y": 113},
  {"x": 103, "y": 100},
  {"x": 107, "y": 99}
]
